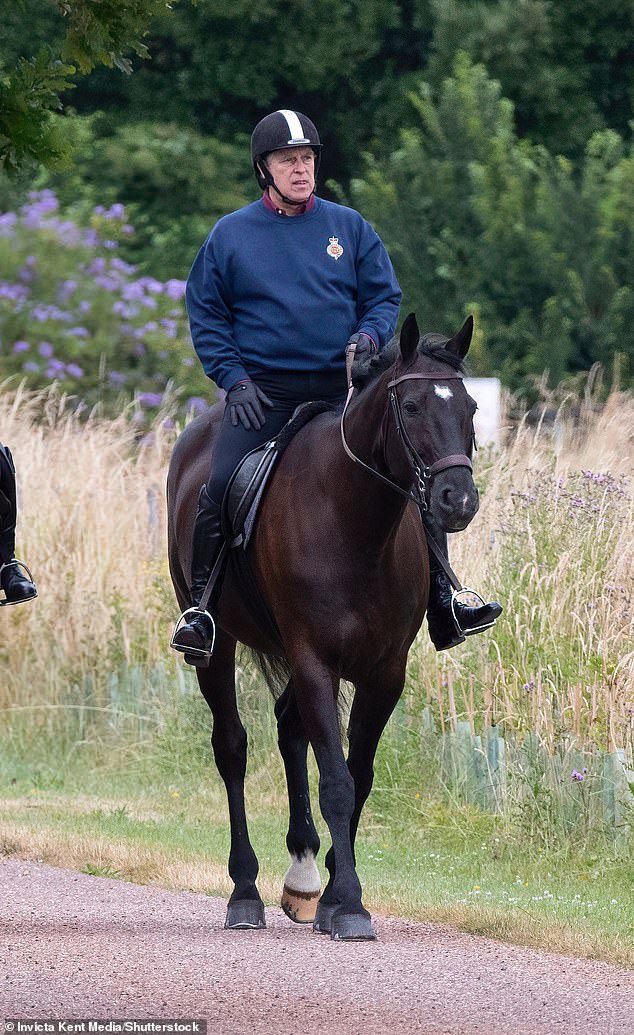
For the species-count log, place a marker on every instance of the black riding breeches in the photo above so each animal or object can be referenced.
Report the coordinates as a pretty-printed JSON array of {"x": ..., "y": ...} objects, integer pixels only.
[
  {"x": 286, "y": 391},
  {"x": 8, "y": 506}
]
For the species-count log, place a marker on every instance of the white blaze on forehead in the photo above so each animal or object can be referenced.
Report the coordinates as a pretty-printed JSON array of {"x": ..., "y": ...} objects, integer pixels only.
[
  {"x": 303, "y": 875},
  {"x": 443, "y": 392},
  {"x": 294, "y": 126}
]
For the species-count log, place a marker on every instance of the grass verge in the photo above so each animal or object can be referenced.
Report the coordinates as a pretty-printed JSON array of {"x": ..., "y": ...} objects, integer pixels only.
[{"x": 452, "y": 866}]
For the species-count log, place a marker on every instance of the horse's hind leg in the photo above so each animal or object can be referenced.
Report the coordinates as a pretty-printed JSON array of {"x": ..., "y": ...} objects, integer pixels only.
[
  {"x": 229, "y": 742},
  {"x": 302, "y": 882}
]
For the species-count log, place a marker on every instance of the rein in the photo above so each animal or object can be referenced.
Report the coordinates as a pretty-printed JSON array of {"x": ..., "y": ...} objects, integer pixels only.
[{"x": 424, "y": 472}]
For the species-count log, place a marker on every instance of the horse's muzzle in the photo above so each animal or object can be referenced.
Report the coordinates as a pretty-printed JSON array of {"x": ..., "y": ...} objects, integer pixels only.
[{"x": 454, "y": 502}]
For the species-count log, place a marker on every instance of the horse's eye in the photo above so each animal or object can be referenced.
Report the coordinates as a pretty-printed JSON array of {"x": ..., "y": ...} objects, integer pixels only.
[{"x": 410, "y": 408}]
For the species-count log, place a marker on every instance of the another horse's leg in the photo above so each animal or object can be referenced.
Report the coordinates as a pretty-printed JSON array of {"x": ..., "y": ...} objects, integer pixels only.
[
  {"x": 229, "y": 742},
  {"x": 302, "y": 882},
  {"x": 316, "y": 688},
  {"x": 374, "y": 702}
]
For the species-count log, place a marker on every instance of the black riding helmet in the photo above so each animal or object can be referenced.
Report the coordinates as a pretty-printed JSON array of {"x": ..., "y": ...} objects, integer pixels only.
[{"x": 275, "y": 132}]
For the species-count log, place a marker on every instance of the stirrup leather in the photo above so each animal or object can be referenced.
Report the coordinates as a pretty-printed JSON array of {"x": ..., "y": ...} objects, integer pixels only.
[
  {"x": 196, "y": 652},
  {"x": 455, "y": 598},
  {"x": 21, "y": 566}
]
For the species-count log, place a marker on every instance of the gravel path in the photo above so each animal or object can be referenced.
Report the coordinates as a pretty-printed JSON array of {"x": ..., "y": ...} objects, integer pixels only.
[{"x": 74, "y": 946}]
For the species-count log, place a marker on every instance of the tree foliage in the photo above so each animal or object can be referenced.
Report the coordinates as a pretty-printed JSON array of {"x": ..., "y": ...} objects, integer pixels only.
[
  {"x": 96, "y": 32},
  {"x": 488, "y": 140},
  {"x": 476, "y": 218}
]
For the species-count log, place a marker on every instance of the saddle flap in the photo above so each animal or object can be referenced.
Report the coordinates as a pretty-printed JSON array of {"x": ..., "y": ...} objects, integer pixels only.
[
  {"x": 248, "y": 481},
  {"x": 244, "y": 491}
]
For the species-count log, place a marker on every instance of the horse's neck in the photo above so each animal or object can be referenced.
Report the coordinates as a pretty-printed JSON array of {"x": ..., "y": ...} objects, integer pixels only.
[{"x": 375, "y": 508}]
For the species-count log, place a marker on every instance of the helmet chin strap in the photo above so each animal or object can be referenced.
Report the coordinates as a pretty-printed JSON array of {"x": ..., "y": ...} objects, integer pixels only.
[{"x": 270, "y": 182}]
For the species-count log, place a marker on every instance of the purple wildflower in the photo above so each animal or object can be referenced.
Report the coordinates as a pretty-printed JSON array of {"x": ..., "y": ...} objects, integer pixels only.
[
  {"x": 196, "y": 403},
  {"x": 122, "y": 267},
  {"x": 7, "y": 224},
  {"x": 45, "y": 349},
  {"x": 174, "y": 288},
  {"x": 31, "y": 367},
  {"x": 74, "y": 370},
  {"x": 66, "y": 290},
  {"x": 14, "y": 292},
  {"x": 125, "y": 309},
  {"x": 56, "y": 369},
  {"x": 150, "y": 398},
  {"x": 577, "y": 776},
  {"x": 116, "y": 377},
  {"x": 21, "y": 346},
  {"x": 171, "y": 327}
]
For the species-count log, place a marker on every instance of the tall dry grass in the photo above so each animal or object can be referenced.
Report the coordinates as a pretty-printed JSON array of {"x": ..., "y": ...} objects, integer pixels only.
[
  {"x": 91, "y": 526},
  {"x": 554, "y": 541},
  {"x": 560, "y": 662}
]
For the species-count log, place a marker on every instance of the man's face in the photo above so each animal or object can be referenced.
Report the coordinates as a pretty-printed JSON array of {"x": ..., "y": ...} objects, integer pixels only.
[{"x": 293, "y": 170}]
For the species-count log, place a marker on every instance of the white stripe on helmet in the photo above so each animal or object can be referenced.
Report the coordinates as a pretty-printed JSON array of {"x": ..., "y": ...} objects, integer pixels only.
[{"x": 294, "y": 127}]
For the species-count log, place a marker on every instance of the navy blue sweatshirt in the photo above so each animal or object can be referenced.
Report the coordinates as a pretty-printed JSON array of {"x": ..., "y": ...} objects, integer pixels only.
[{"x": 273, "y": 292}]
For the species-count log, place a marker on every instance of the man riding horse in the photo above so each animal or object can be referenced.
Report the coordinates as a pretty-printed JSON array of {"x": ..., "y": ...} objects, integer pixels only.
[
  {"x": 277, "y": 293},
  {"x": 16, "y": 585}
]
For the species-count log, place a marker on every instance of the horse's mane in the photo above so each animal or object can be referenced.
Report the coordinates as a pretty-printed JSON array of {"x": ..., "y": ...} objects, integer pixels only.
[{"x": 432, "y": 345}]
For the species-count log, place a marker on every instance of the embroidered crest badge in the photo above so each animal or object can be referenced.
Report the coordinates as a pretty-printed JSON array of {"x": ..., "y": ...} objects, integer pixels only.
[{"x": 334, "y": 249}]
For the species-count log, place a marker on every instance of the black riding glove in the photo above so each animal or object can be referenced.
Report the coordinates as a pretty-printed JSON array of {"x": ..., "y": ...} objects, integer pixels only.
[
  {"x": 366, "y": 347},
  {"x": 245, "y": 401}
]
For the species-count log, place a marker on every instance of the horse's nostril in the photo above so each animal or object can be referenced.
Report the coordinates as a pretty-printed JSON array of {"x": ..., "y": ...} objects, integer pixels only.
[{"x": 455, "y": 502}]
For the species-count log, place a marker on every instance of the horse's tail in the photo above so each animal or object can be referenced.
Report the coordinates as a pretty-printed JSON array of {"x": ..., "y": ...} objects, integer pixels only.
[{"x": 275, "y": 671}]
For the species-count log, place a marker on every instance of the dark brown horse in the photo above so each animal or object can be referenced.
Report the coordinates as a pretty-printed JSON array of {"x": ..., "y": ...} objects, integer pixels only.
[{"x": 340, "y": 558}]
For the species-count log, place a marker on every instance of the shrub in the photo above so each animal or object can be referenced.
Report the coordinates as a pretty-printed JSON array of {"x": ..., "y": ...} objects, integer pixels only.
[{"x": 72, "y": 311}]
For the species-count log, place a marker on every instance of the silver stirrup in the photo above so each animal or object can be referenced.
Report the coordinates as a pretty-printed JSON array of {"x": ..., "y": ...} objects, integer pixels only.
[
  {"x": 196, "y": 652},
  {"x": 21, "y": 566},
  {"x": 457, "y": 593}
]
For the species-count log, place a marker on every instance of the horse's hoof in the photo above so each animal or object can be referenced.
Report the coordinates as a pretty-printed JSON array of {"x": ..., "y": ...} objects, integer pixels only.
[
  {"x": 352, "y": 927},
  {"x": 323, "y": 917},
  {"x": 245, "y": 914},
  {"x": 300, "y": 906}
]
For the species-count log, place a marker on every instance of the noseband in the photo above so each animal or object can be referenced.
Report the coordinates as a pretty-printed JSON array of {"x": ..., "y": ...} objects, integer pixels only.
[{"x": 424, "y": 473}]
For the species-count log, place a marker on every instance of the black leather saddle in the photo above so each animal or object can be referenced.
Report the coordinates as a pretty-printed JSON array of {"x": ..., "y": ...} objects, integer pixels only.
[{"x": 249, "y": 480}]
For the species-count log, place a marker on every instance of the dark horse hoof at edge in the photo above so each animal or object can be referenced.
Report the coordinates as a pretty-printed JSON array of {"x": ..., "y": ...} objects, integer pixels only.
[
  {"x": 245, "y": 914},
  {"x": 343, "y": 926}
]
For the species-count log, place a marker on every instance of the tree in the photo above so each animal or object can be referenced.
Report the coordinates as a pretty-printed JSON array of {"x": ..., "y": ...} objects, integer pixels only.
[
  {"x": 476, "y": 218},
  {"x": 94, "y": 33}
]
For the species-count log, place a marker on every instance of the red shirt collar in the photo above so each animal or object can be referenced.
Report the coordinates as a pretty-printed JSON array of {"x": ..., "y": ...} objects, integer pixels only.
[{"x": 301, "y": 208}]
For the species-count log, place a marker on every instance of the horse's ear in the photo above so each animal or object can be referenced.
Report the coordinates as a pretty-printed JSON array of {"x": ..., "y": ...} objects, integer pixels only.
[
  {"x": 461, "y": 341},
  {"x": 410, "y": 336}
]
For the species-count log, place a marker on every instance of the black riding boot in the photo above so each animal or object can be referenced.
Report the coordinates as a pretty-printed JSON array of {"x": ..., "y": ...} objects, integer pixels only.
[
  {"x": 13, "y": 580},
  {"x": 449, "y": 620},
  {"x": 195, "y": 638}
]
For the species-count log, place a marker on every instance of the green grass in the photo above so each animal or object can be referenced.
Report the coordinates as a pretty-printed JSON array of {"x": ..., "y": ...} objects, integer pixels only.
[{"x": 417, "y": 857}]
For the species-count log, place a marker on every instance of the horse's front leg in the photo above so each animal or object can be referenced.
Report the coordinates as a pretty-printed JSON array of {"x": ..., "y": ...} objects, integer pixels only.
[
  {"x": 374, "y": 702},
  {"x": 302, "y": 882},
  {"x": 229, "y": 741},
  {"x": 317, "y": 689}
]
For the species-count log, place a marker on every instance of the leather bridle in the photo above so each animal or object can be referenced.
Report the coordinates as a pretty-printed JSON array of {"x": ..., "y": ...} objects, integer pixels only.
[{"x": 424, "y": 473}]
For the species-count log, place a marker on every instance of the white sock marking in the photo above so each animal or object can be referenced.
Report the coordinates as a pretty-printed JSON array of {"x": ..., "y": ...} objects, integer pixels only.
[{"x": 303, "y": 875}]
